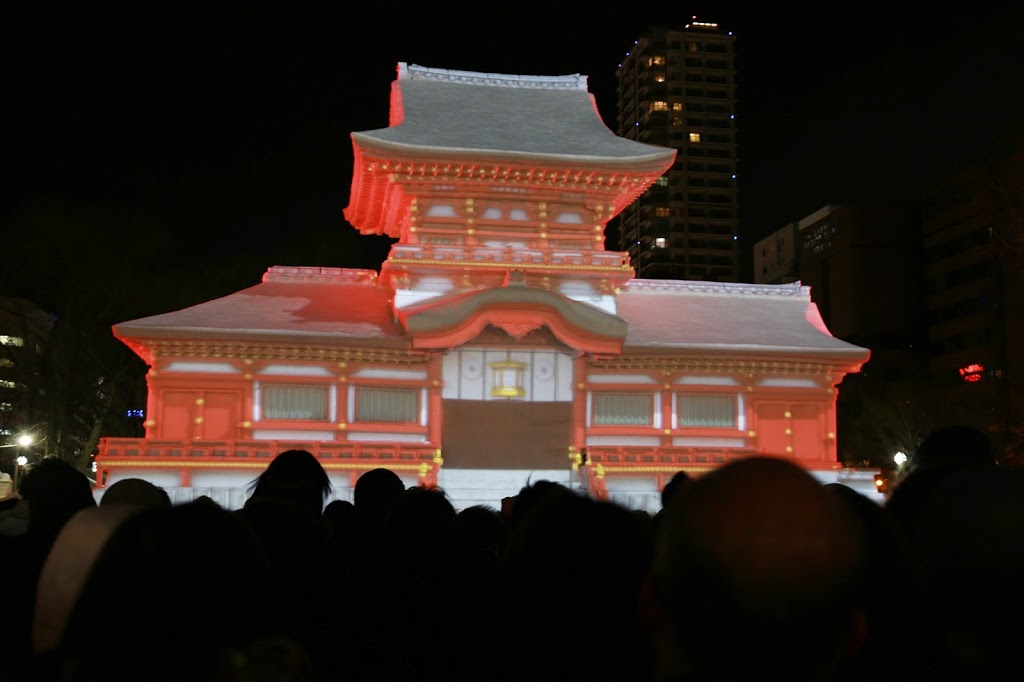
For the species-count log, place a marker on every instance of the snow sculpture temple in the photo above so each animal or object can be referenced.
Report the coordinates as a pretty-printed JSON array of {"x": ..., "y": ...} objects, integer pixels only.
[{"x": 500, "y": 342}]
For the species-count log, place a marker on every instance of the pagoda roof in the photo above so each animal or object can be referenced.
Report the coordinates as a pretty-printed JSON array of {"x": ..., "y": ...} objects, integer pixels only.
[{"x": 486, "y": 116}]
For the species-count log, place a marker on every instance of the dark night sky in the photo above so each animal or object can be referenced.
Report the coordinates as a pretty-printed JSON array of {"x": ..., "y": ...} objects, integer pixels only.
[{"x": 212, "y": 140}]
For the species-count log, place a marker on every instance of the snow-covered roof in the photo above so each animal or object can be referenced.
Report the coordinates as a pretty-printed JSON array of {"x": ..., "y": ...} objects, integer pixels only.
[
  {"x": 444, "y": 113},
  {"x": 333, "y": 305},
  {"x": 677, "y": 315}
]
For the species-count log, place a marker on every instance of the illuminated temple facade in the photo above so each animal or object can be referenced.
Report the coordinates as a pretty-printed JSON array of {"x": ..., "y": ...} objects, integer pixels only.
[{"x": 499, "y": 343}]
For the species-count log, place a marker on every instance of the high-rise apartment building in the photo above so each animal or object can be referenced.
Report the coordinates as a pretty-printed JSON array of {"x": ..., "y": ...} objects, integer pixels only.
[{"x": 676, "y": 88}]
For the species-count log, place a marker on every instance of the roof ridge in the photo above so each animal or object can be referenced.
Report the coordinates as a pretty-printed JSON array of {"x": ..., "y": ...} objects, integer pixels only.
[
  {"x": 574, "y": 81},
  {"x": 795, "y": 289},
  {"x": 288, "y": 273}
]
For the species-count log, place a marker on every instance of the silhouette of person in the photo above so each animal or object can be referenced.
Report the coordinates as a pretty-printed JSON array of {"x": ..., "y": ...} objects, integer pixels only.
[
  {"x": 285, "y": 509},
  {"x": 573, "y": 569},
  {"x": 54, "y": 491},
  {"x": 135, "y": 491},
  {"x": 158, "y": 580},
  {"x": 759, "y": 573},
  {"x": 946, "y": 451}
]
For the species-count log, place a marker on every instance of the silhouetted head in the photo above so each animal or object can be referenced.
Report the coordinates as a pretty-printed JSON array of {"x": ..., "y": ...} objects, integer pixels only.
[
  {"x": 376, "y": 491},
  {"x": 565, "y": 546},
  {"x": 953, "y": 446},
  {"x": 531, "y": 495},
  {"x": 294, "y": 477},
  {"x": 483, "y": 528},
  {"x": 339, "y": 512},
  {"x": 674, "y": 485},
  {"x": 947, "y": 451},
  {"x": 752, "y": 557},
  {"x": 55, "y": 491},
  {"x": 136, "y": 491},
  {"x": 422, "y": 530}
]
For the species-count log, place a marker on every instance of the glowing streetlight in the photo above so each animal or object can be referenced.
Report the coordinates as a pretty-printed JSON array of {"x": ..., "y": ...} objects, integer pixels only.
[
  {"x": 900, "y": 458},
  {"x": 24, "y": 440},
  {"x": 19, "y": 461}
]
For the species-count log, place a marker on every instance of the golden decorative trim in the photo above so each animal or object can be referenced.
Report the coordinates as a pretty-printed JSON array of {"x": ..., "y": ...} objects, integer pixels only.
[
  {"x": 716, "y": 365},
  {"x": 510, "y": 264},
  {"x": 613, "y": 469},
  {"x": 162, "y": 348},
  {"x": 253, "y": 464}
]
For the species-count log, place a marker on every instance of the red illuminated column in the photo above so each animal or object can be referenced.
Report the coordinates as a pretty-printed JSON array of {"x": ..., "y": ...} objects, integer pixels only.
[
  {"x": 435, "y": 406},
  {"x": 579, "y": 403}
]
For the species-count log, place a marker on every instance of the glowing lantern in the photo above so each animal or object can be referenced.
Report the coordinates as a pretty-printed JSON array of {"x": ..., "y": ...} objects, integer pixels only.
[{"x": 508, "y": 379}]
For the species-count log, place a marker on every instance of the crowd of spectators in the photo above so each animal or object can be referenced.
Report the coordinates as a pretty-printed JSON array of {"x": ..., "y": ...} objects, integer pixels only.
[{"x": 753, "y": 571}]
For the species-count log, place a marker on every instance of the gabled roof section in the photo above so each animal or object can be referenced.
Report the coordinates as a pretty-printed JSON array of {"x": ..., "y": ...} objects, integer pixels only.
[
  {"x": 672, "y": 316},
  {"x": 449, "y": 321},
  {"x": 309, "y": 305}
]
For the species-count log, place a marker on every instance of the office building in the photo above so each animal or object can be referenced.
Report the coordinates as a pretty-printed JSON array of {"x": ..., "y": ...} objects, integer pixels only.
[
  {"x": 973, "y": 229},
  {"x": 676, "y": 88},
  {"x": 24, "y": 330}
]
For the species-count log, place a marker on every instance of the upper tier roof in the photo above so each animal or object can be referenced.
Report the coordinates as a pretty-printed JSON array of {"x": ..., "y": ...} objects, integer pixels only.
[{"x": 440, "y": 112}]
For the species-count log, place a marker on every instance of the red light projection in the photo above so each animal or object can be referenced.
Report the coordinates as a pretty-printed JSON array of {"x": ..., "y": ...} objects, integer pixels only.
[{"x": 972, "y": 373}]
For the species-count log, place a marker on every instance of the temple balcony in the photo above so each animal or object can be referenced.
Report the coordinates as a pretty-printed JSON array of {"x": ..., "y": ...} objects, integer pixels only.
[{"x": 452, "y": 255}]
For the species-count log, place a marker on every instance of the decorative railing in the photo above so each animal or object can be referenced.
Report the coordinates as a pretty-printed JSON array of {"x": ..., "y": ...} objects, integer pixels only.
[
  {"x": 506, "y": 255},
  {"x": 422, "y": 458},
  {"x": 664, "y": 457}
]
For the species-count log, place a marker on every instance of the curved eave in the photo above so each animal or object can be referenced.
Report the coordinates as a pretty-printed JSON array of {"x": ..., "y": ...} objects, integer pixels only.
[
  {"x": 381, "y": 168},
  {"x": 517, "y": 310},
  {"x": 653, "y": 160},
  {"x": 150, "y": 345}
]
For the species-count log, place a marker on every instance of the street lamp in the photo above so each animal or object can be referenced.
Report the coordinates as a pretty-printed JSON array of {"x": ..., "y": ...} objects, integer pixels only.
[
  {"x": 24, "y": 440},
  {"x": 20, "y": 461}
]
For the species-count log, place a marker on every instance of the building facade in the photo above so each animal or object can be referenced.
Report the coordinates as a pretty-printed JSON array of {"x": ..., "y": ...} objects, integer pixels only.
[
  {"x": 500, "y": 342},
  {"x": 676, "y": 88},
  {"x": 24, "y": 332},
  {"x": 973, "y": 251}
]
